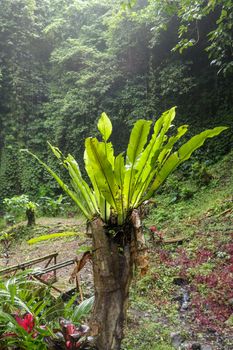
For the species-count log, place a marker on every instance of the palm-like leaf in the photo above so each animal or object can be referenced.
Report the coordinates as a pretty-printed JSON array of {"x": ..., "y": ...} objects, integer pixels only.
[
  {"x": 120, "y": 185},
  {"x": 138, "y": 139},
  {"x": 104, "y": 174},
  {"x": 177, "y": 158}
]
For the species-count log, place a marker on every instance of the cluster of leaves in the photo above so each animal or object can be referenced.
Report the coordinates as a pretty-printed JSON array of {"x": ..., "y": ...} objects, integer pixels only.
[
  {"x": 29, "y": 317},
  {"x": 120, "y": 185},
  {"x": 53, "y": 206},
  {"x": 17, "y": 206}
]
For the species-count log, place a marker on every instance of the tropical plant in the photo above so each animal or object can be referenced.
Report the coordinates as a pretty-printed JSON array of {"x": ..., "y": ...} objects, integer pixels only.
[
  {"x": 29, "y": 317},
  {"x": 21, "y": 303},
  {"x": 17, "y": 206},
  {"x": 6, "y": 240},
  {"x": 53, "y": 206},
  {"x": 119, "y": 186}
]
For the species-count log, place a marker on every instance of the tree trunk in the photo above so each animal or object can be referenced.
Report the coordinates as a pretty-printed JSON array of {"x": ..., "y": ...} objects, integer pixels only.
[
  {"x": 114, "y": 255},
  {"x": 30, "y": 213}
]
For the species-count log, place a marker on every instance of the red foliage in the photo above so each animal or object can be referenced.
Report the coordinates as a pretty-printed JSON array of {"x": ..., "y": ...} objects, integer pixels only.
[
  {"x": 72, "y": 334},
  {"x": 213, "y": 307},
  {"x": 26, "y": 322},
  {"x": 153, "y": 229}
]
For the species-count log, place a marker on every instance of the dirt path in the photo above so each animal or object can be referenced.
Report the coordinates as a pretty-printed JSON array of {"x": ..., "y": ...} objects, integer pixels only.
[{"x": 21, "y": 251}]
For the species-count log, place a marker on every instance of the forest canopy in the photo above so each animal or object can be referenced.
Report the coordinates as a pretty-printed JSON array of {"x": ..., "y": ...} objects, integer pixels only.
[{"x": 64, "y": 62}]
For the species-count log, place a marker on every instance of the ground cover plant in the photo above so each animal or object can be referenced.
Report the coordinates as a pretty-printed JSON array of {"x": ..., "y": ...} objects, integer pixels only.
[
  {"x": 119, "y": 187},
  {"x": 31, "y": 318}
]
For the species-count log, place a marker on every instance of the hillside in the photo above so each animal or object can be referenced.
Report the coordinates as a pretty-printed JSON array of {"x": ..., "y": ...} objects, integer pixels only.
[{"x": 187, "y": 297}]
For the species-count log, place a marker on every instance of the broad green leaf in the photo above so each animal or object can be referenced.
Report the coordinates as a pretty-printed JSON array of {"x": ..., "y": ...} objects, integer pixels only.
[
  {"x": 137, "y": 141},
  {"x": 104, "y": 175},
  {"x": 197, "y": 141},
  {"x": 169, "y": 145},
  {"x": 106, "y": 147},
  {"x": 119, "y": 170},
  {"x": 80, "y": 184},
  {"x": 120, "y": 175},
  {"x": 156, "y": 161},
  {"x": 184, "y": 153},
  {"x": 83, "y": 309},
  {"x": 146, "y": 164},
  {"x": 52, "y": 236},
  {"x": 103, "y": 206},
  {"x": 105, "y": 126},
  {"x": 65, "y": 188},
  {"x": 91, "y": 174}
]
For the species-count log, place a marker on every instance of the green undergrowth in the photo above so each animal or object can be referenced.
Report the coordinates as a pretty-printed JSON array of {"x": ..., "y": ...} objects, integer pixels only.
[{"x": 186, "y": 198}]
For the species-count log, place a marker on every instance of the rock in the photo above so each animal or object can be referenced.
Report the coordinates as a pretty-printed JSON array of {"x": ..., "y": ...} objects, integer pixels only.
[
  {"x": 179, "y": 281},
  {"x": 184, "y": 306},
  {"x": 191, "y": 346},
  {"x": 186, "y": 346},
  {"x": 206, "y": 347},
  {"x": 176, "y": 340}
]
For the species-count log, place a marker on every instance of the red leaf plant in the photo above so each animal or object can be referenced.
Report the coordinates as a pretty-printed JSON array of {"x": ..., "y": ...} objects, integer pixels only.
[
  {"x": 155, "y": 233},
  {"x": 75, "y": 337},
  {"x": 27, "y": 322}
]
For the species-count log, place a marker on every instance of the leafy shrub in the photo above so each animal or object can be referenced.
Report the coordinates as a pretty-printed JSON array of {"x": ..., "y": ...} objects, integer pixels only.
[
  {"x": 29, "y": 317},
  {"x": 186, "y": 193},
  {"x": 17, "y": 206},
  {"x": 53, "y": 206},
  {"x": 200, "y": 173}
]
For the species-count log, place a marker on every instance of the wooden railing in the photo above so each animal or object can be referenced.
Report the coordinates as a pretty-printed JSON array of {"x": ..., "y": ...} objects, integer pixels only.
[
  {"x": 25, "y": 265},
  {"x": 47, "y": 268}
]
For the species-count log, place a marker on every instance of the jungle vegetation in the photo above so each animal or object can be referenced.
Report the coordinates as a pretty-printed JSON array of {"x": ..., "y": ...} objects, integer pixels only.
[{"x": 64, "y": 62}]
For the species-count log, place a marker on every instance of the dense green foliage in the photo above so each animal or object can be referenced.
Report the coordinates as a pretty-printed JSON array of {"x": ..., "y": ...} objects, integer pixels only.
[
  {"x": 121, "y": 184},
  {"x": 31, "y": 317},
  {"x": 63, "y": 62},
  {"x": 16, "y": 208}
]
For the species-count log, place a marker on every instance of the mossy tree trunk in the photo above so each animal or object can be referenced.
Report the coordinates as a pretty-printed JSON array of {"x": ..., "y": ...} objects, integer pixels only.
[
  {"x": 116, "y": 250},
  {"x": 30, "y": 213}
]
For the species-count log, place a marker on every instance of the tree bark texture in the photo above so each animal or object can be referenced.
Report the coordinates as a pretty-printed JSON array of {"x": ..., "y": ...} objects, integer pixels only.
[
  {"x": 114, "y": 256},
  {"x": 30, "y": 213}
]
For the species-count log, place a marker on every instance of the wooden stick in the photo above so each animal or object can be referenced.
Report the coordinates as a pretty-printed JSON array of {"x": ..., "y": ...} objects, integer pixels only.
[{"x": 47, "y": 283}]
